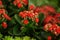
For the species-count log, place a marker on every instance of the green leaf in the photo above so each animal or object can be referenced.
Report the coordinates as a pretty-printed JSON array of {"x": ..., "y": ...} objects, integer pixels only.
[
  {"x": 8, "y": 38},
  {"x": 17, "y": 18},
  {"x": 1, "y": 35},
  {"x": 18, "y": 38},
  {"x": 0, "y": 26},
  {"x": 24, "y": 30},
  {"x": 16, "y": 30},
  {"x": 58, "y": 10},
  {"x": 13, "y": 21},
  {"x": 33, "y": 39},
  {"x": 41, "y": 17},
  {"x": 36, "y": 2},
  {"x": 43, "y": 2},
  {"x": 26, "y": 38}
]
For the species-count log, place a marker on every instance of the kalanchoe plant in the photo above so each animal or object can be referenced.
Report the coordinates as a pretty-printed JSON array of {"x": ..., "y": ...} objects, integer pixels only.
[{"x": 39, "y": 19}]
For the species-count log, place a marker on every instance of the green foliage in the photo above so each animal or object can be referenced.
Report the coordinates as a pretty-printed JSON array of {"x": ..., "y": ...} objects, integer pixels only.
[
  {"x": 17, "y": 38},
  {"x": 43, "y": 2},
  {"x": 1, "y": 35},
  {"x": 26, "y": 38},
  {"x": 41, "y": 18},
  {"x": 8, "y": 38}
]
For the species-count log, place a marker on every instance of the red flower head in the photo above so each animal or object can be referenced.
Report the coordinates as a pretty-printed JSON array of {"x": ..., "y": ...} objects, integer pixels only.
[
  {"x": 20, "y": 5},
  {"x": 50, "y": 19},
  {"x": 50, "y": 9},
  {"x": 23, "y": 14},
  {"x": 25, "y": 2},
  {"x": 31, "y": 15},
  {"x": 17, "y": 1},
  {"x": 26, "y": 22},
  {"x": 47, "y": 19},
  {"x": 14, "y": 2},
  {"x": 54, "y": 26},
  {"x": 0, "y": 2},
  {"x": 31, "y": 7},
  {"x": 1, "y": 11},
  {"x": 49, "y": 38},
  {"x": 6, "y": 16},
  {"x": 58, "y": 30},
  {"x": 36, "y": 20},
  {"x": 57, "y": 17},
  {"x": 48, "y": 26},
  {"x": 4, "y": 24},
  {"x": 37, "y": 9}
]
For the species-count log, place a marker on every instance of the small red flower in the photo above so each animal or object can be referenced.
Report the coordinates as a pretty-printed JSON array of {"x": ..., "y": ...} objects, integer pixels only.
[
  {"x": 47, "y": 26},
  {"x": 1, "y": 11},
  {"x": 0, "y": 2},
  {"x": 57, "y": 17},
  {"x": 44, "y": 11},
  {"x": 58, "y": 30},
  {"x": 14, "y": 2},
  {"x": 50, "y": 9},
  {"x": 17, "y": 1},
  {"x": 25, "y": 2},
  {"x": 23, "y": 14},
  {"x": 36, "y": 20},
  {"x": 47, "y": 19},
  {"x": 26, "y": 22},
  {"x": 49, "y": 38},
  {"x": 19, "y": 5},
  {"x": 31, "y": 7},
  {"x": 4, "y": 24},
  {"x": 30, "y": 15},
  {"x": 6, "y": 16},
  {"x": 50, "y": 29},
  {"x": 54, "y": 26},
  {"x": 37, "y": 9}
]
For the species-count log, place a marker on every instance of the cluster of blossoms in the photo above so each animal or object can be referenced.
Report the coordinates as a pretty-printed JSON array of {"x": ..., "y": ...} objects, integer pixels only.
[
  {"x": 3, "y": 15},
  {"x": 30, "y": 15},
  {"x": 52, "y": 18},
  {"x": 20, "y": 3},
  {"x": 54, "y": 28}
]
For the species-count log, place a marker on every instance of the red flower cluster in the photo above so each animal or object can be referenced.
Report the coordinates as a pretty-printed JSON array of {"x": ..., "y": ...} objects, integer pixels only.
[
  {"x": 30, "y": 15},
  {"x": 46, "y": 10},
  {"x": 19, "y": 3},
  {"x": 52, "y": 19},
  {"x": 54, "y": 28},
  {"x": 3, "y": 12}
]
